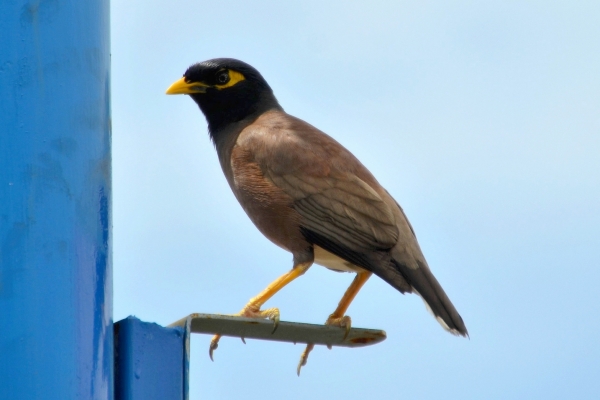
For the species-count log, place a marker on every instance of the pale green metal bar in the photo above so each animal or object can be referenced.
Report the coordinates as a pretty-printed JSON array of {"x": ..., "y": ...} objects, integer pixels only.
[{"x": 292, "y": 332}]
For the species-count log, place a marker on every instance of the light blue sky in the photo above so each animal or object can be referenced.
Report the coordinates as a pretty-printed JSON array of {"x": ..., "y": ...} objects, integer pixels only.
[{"x": 481, "y": 118}]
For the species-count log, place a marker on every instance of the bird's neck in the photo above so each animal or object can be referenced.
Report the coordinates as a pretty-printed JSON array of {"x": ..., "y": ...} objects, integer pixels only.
[{"x": 224, "y": 114}]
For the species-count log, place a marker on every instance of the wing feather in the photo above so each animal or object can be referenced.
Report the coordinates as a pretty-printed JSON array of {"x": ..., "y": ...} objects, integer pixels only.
[{"x": 341, "y": 208}]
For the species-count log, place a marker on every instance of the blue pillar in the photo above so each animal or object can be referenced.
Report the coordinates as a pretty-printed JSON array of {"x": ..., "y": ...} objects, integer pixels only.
[
  {"x": 55, "y": 200},
  {"x": 151, "y": 361}
]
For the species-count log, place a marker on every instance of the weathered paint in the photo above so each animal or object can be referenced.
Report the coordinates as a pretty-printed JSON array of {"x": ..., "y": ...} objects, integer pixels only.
[
  {"x": 55, "y": 200},
  {"x": 151, "y": 361}
]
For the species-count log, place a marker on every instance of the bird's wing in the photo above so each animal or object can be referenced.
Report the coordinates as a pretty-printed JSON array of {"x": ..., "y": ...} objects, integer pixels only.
[
  {"x": 340, "y": 207},
  {"x": 335, "y": 195}
]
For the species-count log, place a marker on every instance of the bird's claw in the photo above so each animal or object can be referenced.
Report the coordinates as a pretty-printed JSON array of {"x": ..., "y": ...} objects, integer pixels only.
[
  {"x": 342, "y": 322},
  {"x": 214, "y": 343},
  {"x": 304, "y": 357},
  {"x": 275, "y": 319},
  {"x": 251, "y": 311},
  {"x": 348, "y": 326},
  {"x": 271, "y": 313}
]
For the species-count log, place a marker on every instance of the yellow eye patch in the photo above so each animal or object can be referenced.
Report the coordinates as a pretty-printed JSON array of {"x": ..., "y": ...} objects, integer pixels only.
[{"x": 234, "y": 78}]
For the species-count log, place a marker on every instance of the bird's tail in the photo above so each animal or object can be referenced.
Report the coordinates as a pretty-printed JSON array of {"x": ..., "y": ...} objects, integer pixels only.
[{"x": 423, "y": 283}]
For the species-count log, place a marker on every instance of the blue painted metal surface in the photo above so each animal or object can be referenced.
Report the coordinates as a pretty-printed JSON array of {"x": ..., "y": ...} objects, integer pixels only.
[
  {"x": 55, "y": 200},
  {"x": 151, "y": 361}
]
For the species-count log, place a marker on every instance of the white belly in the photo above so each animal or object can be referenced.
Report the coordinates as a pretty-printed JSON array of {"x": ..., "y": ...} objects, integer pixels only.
[{"x": 331, "y": 261}]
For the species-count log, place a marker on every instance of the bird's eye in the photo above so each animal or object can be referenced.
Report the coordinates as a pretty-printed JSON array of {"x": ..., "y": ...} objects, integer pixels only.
[{"x": 223, "y": 77}]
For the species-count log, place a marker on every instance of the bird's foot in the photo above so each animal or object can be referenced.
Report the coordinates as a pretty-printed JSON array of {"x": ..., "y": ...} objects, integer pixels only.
[
  {"x": 250, "y": 310},
  {"x": 343, "y": 322}
]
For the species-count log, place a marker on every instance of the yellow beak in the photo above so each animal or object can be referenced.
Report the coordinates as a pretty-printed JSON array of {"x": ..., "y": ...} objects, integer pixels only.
[{"x": 183, "y": 87}]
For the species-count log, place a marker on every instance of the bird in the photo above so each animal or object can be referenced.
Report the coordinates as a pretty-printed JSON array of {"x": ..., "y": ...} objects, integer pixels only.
[{"x": 308, "y": 194}]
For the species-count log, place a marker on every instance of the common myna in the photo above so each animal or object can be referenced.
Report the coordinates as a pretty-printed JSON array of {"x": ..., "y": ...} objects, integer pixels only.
[{"x": 307, "y": 194}]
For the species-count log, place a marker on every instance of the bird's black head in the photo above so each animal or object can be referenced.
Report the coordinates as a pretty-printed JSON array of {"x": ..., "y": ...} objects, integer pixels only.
[{"x": 227, "y": 91}]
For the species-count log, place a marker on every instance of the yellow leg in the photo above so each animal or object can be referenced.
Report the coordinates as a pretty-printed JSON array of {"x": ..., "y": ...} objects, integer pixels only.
[
  {"x": 252, "y": 308},
  {"x": 337, "y": 317}
]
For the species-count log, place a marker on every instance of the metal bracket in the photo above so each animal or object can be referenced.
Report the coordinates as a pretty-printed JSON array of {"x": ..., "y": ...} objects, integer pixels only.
[
  {"x": 292, "y": 332},
  {"x": 152, "y": 362}
]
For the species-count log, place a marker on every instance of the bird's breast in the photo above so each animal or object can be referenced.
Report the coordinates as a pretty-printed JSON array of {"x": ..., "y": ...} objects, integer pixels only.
[{"x": 269, "y": 208}]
